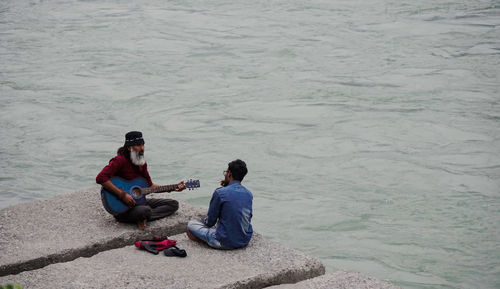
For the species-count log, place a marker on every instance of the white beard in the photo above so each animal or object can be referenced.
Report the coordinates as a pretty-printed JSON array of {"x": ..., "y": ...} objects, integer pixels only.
[{"x": 136, "y": 158}]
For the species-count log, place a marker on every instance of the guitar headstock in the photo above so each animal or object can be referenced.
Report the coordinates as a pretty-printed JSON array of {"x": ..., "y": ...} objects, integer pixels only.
[{"x": 192, "y": 184}]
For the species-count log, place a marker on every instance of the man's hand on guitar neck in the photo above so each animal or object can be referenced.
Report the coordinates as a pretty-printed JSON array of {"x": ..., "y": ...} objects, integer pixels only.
[{"x": 180, "y": 186}]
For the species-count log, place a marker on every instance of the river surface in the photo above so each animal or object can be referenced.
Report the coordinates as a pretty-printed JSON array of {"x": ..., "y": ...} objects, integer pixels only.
[{"x": 371, "y": 129}]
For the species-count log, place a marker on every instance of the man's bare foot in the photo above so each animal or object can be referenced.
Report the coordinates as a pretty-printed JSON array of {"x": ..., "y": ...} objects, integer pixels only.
[
  {"x": 141, "y": 225},
  {"x": 193, "y": 237}
]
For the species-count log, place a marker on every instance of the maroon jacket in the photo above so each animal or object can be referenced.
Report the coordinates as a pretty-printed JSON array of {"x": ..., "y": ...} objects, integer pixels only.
[{"x": 120, "y": 166}]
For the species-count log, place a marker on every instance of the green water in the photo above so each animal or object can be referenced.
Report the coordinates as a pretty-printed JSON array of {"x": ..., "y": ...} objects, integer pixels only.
[{"x": 371, "y": 130}]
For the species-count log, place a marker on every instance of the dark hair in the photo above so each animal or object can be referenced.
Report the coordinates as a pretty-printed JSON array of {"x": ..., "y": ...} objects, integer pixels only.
[
  {"x": 123, "y": 151},
  {"x": 238, "y": 169}
]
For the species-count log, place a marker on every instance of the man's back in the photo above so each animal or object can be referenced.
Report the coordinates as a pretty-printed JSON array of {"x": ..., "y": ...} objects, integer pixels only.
[
  {"x": 233, "y": 205},
  {"x": 228, "y": 222}
]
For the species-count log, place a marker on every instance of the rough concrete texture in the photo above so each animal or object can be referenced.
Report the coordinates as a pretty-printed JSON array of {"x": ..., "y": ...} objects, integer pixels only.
[
  {"x": 262, "y": 263},
  {"x": 35, "y": 234},
  {"x": 340, "y": 280}
]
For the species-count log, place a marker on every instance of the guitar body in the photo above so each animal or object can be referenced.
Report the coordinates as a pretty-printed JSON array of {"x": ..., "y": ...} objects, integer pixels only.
[{"x": 112, "y": 203}]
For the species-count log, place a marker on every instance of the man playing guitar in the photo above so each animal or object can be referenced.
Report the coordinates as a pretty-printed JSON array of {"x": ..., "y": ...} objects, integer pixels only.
[{"x": 130, "y": 164}]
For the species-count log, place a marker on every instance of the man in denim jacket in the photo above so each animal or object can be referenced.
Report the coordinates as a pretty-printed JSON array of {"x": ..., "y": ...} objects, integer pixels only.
[{"x": 227, "y": 225}]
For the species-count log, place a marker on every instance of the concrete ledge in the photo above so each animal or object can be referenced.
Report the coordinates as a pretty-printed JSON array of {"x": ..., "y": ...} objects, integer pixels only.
[
  {"x": 70, "y": 241},
  {"x": 340, "y": 280},
  {"x": 36, "y": 234},
  {"x": 262, "y": 263}
]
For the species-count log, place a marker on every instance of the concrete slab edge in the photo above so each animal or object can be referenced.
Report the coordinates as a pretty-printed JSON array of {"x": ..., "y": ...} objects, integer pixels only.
[
  {"x": 285, "y": 276},
  {"x": 88, "y": 251},
  {"x": 339, "y": 280}
]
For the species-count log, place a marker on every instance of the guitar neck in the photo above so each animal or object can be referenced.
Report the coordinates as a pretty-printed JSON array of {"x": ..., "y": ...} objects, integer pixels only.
[{"x": 159, "y": 189}]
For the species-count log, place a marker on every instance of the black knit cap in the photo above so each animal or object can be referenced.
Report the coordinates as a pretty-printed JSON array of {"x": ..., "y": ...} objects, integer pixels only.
[{"x": 134, "y": 138}]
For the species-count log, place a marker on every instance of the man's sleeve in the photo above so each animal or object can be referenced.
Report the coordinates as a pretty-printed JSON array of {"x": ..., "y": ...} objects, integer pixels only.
[
  {"x": 213, "y": 210},
  {"x": 108, "y": 171}
]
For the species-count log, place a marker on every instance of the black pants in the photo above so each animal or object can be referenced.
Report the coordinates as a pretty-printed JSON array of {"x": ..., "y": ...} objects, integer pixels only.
[{"x": 154, "y": 209}]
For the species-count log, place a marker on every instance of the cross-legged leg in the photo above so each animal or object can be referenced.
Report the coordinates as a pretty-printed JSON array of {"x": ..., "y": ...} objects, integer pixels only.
[
  {"x": 204, "y": 233},
  {"x": 137, "y": 214},
  {"x": 161, "y": 208}
]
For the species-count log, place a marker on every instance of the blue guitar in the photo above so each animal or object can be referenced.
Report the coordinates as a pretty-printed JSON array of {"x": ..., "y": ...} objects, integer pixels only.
[{"x": 138, "y": 189}]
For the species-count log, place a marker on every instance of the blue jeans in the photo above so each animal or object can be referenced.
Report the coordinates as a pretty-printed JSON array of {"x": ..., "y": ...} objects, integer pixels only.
[{"x": 207, "y": 234}]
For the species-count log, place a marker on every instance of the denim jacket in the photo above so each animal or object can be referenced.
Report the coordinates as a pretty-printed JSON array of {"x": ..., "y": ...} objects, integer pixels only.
[{"x": 231, "y": 207}]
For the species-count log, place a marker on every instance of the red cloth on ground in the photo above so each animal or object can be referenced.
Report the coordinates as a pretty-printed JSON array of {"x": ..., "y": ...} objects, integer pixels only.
[{"x": 158, "y": 245}]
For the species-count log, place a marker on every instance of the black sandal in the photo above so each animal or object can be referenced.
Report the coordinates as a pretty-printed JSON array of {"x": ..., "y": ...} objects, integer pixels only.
[{"x": 175, "y": 252}]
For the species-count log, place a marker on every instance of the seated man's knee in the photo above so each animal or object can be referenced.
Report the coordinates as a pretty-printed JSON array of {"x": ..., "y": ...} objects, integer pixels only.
[
  {"x": 195, "y": 225},
  {"x": 144, "y": 212},
  {"x": 175, "y": 205},
  {"x": 191, "y": 224}
]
